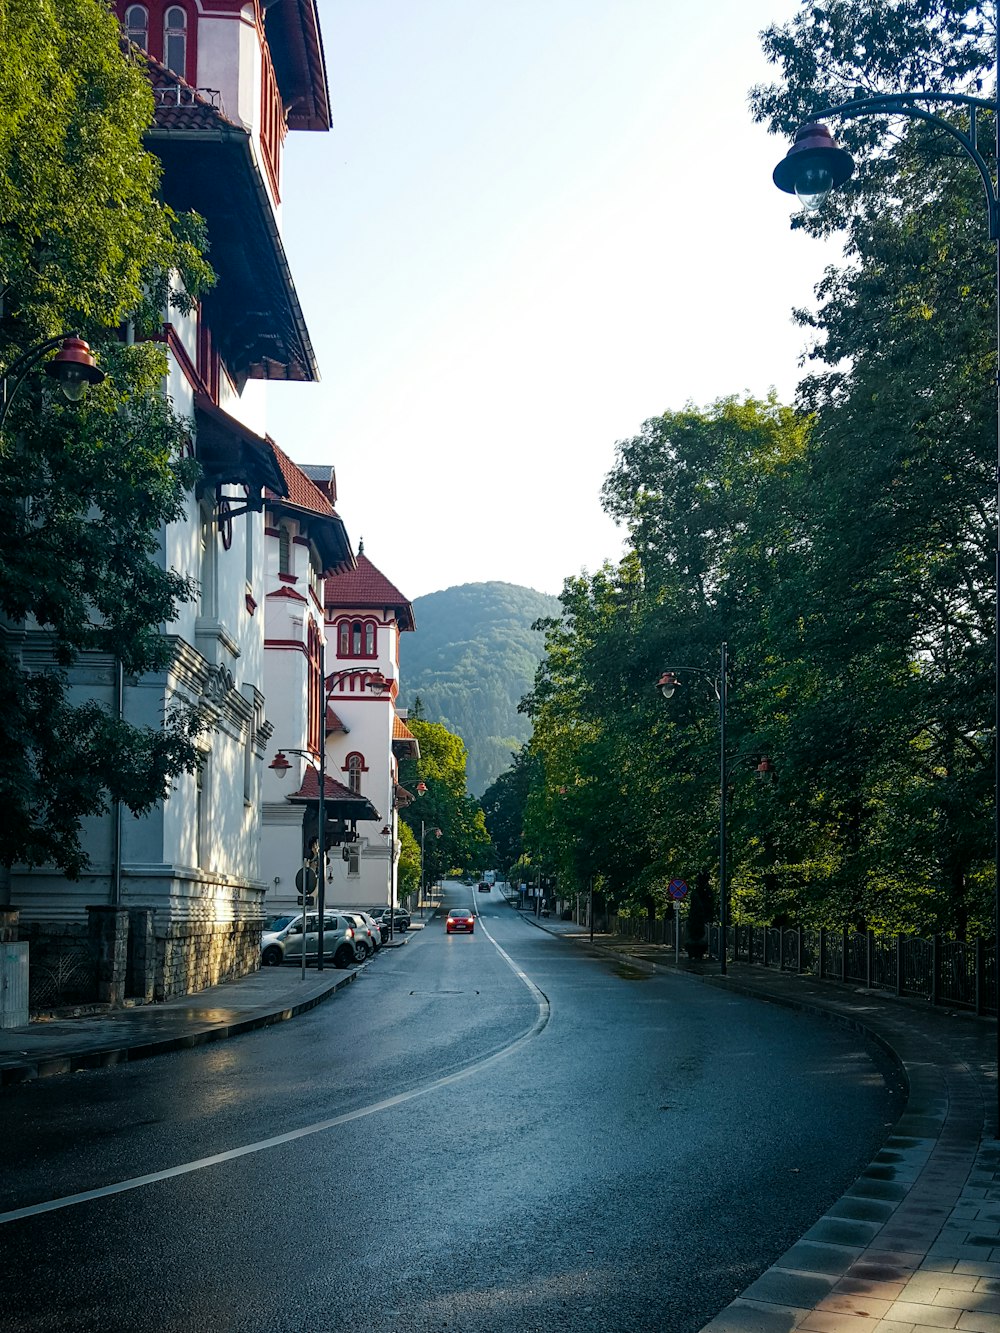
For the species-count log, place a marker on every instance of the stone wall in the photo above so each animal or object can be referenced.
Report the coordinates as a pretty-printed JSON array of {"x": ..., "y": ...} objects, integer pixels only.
[{"x": 193, "y": 955}]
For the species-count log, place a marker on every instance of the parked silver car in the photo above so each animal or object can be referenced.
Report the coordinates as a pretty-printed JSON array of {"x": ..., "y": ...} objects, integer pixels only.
[
  {"x": 367, "y": 938},
  {"x": 282, "y": 939}
]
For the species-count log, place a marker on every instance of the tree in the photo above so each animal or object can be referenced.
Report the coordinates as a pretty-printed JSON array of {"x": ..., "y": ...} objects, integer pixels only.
[
  {"x": 902, "y": 496},
  {"x": 504, "y": 806},
  {"x": 408, "y": 869},
  {"x": 84, "y": 491},
  {"x": 464, "y": 841}
]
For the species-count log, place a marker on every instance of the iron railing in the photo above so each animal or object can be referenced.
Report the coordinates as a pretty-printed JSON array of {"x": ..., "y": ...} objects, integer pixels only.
[{"x": 961, "y": 974}]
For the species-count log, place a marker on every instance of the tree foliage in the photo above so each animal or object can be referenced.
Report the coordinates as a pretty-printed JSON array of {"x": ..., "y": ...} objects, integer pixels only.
[
  {"x": 842, "y": 548},
  {"x": 446, "y": 805},
  {"x": 471, "y": 659},
  {"x": 84, "y": 490}
]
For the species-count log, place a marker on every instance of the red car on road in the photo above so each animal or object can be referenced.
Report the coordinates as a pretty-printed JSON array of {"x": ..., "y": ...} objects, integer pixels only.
[{"x": 460, "y": 918}]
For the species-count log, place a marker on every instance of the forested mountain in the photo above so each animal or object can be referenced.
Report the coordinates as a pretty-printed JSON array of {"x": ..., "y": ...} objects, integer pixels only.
[{"x": 471, "y": 659}]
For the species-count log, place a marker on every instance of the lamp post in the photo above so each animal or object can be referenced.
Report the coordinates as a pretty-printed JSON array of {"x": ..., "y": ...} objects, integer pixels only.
[
  {"x": 667, "y": 685},
  {"x": 377, "y": 683},
  {"x": 815, "y": 165},
  {"x": 74, "y": 367},
  {"x": 421, "y": 790}
]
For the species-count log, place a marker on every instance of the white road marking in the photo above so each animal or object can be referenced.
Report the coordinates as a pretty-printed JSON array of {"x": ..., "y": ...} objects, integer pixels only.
[{"x": 387, "y": 1103}]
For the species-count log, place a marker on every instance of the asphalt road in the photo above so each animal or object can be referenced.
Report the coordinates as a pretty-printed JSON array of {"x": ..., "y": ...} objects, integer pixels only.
[{"x": 485, "y": 1134}]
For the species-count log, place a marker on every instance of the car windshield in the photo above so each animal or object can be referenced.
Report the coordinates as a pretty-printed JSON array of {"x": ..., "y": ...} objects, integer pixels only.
[
  {"x": 279, "y": 923},
  {"x": 459, "y": 916}
]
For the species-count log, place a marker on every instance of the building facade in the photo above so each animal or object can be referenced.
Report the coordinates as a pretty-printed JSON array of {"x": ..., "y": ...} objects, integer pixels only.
[
  {"x": 363, "y": 616},
  {"x": 177, "y": 899}
]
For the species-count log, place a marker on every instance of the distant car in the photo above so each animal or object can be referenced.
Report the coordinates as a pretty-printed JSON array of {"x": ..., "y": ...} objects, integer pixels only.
[
  {"x": 282, "y": 939},
  {"x": 460, "y": 918},
  {"x": 484, "y": 887}
]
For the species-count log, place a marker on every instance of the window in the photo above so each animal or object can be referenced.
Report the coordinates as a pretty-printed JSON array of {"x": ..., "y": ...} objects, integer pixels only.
[
  {"x": 315, "y": 722},
  {"x": 352, "y": 855},
  {"x": 207, "y": 573},
  {"x": 175, "y": 40},
  {"x": 284, "y": 550},
  {"x": 357, "y": 638},
  {"x": 355, "y": 767},
  {"x": 137, "y": 26}
]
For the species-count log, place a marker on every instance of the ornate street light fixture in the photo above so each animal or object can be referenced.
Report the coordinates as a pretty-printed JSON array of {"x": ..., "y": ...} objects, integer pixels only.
[
  {"x": 74, "y": 367},
  {"x": 813, "y": 166}
]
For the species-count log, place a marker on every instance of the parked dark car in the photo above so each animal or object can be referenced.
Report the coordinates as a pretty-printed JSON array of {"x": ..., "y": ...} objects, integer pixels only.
[{"x": 401, "y": 921}]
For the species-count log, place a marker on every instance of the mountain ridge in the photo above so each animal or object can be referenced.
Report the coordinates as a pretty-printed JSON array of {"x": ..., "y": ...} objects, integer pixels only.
[{"x": 470, "y": 661}]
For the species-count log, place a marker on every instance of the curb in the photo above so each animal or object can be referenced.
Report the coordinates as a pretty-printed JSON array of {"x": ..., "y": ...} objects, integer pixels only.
[
  {"x": 897, "y": 1224},
  {"x": 47, "y": 1066}
]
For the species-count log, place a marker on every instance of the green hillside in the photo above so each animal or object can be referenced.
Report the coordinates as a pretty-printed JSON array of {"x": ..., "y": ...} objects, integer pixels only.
[{"x": 471, "y": 659}]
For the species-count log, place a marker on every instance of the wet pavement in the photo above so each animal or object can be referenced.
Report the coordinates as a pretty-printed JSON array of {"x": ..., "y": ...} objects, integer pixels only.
[
  {"x": 94, "y": 1040},
  {"x": 913, "y": 1244}
]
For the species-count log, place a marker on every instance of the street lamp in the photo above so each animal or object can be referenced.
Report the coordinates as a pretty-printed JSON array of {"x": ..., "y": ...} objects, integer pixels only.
[
  {"x": 378, "y": 684},
  {"x": 668, "y": 684},
  {"x": 813, "y": 166},
  {"x": 421, "y": 790},
  {"x": 74, "y": 367}
]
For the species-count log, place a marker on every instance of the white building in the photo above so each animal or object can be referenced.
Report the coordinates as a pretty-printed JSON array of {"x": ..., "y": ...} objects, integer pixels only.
[
  {"x": 178, "y": 898},
  {"x": 364, "y": 615}
]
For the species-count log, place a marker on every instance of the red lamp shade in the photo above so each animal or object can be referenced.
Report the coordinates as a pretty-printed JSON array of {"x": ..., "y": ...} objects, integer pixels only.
[
  {"x": 667, "y": 683},
  {"x": 813, "y": 166},
  {"x": 74, "y": 367},
  {"x": 279, "y": 764}
]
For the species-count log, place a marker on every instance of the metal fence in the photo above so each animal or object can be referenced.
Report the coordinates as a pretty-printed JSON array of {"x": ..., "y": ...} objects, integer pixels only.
[{"x": 961, "y": 974}]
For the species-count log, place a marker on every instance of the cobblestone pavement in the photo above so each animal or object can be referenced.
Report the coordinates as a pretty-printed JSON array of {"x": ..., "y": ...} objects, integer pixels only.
[{"x": 914, "y": 1244}]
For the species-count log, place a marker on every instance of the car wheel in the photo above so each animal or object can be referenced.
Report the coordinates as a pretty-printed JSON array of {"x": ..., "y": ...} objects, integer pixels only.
[
  {"x": 360, "y": 951},
  {"x": 271, "y": 956},
  {"x": 344, "y": 956}
]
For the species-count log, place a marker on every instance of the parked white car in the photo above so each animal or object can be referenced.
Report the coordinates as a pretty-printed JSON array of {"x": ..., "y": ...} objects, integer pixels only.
[{"x": 282, "y": 939}]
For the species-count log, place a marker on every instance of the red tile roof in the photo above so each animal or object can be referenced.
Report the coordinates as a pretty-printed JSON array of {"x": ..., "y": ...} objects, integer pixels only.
[
  {"x": 340, "y": 800},
  {"x": 181, "y": 107},
  {"x": 301, "y": 491},
  {"x": 333, "y": 722},
  {"x": 400, "y": 731},
  {"x": 367, "y": 588}
]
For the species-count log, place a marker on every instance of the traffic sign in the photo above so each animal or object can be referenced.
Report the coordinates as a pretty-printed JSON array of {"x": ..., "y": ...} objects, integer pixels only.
[{"x": 678, "y": 890}]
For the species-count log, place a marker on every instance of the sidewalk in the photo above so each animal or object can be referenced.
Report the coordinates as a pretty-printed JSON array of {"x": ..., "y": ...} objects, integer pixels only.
[
  {"x": 914, "y": 1244},
  {"x": 272, "y": 995}
]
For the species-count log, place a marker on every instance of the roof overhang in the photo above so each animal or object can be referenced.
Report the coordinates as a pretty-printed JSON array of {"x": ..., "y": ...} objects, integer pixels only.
[
  {"x": 231, "y": 454},
  {"x": 253, "y": 310},
  {"x": 326, "y": 531},
  {"x": 296, "y": 45}
]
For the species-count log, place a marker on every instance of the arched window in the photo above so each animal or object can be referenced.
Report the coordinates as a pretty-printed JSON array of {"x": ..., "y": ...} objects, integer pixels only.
[
  {"x": 315, "y": 722},
  {"x": 137, "y": 26},
  {"x": 175, "y": 40},
  {"x": 357, "y": 638},
  {"x": 355, "y": 767}
]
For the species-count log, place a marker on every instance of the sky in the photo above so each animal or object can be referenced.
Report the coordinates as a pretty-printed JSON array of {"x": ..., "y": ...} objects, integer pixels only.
[{"x": 534, "y": 225}]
